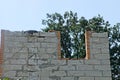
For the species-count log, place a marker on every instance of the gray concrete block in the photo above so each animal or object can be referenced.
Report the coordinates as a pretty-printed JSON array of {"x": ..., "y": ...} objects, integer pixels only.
[
  {"x": 34, "y": 78},
  {"x": 92, "y": 61},
  {"x": 85, "y": 67},
  {"x": 17, "y": 78},
  {"x": 95, "y": 51},
  {"x": 51, "y": 50},
  {"x": 8, "y": 55},
  {"x": 24, "y": 78},
  {"x": 44, "y": 78},
  {"x": 9, "y": 74},
  {"x": 15, "y": 49},
  {"x": 92, "y": 56},
  {"x": 54, "y": 78},
  {"x": 50, "y": 34},
  {"x": 98, "y": 40},
  {"x": 36, "y": 34},
  {"x": 30, "y": 45},
  {"x": 51, "y": 39},
  {"x": 41, "y": 39},
  {"x": 75, "y": 62},
  {"x": 75, "y": 73},
  {"x": 100, "y": 46},
  {"x": 67, "y": 67},
  {"x": 34, "y": 74},
  {"x": 31, "y": 68},
  {"x": 86, "y": 78},
  {"x": 102, "y": 67},
  {"x": 7, "y": 49},
  {"x": 102, "y": 56},
  {"x": 41, "y": 50},
  {"x": 67, "y": 78},
  {"x": 105, "y": 50},
  {"x": 33, "y": 50},
  {"x": 18, "y": 33},
  {"x": 33, "y": 56},
  {"x": 107, "y": 73},
  {"x": 32, "y": 61},
  {"x": 6, "y": 62},
  {"x": 21, "y": 50},
  {"x": 105, "y": 34},
  {"x": 18, "y": 61},
  {"x": 93, "y": 73},
  {"x": 107, "y": 62},
  {"x": 50, "y": 68},
  {"x": 40, "y": 62},
  {"x": 22, "y": 74},
  {"x": 43, "y": 45},
  {"x": 44, "y": 56},
  {"x": 58, "y": 73},
  {"x": 44, "y": 73},
  {"x": 12, "y": 67},
  {"x": 20, "y": 39},
  {"x": 8, "y": 33},
  {"x": 58, "y": 62},
  {"x": 9, "y": 38},
  {"x": 37, "y": 44},
  {"x": 13, "y": 44},
  {"x": 103, "y": 78},
  {"x": 52, "y": 45},
  {"x": 94, "y": 40},
  {"x": 32, "y": 39},
  {"x": 104, "y": 40},
  {"x": 20, "y": 55}
]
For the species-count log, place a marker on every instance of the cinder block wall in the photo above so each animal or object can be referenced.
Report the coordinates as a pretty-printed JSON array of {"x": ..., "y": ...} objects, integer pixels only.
[{"x": 36, "y": 57}]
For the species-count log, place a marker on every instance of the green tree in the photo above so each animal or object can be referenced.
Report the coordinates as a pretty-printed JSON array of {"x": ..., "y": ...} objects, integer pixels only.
[
  {"x": 114, "y": 41},
  {"x": 72, "y": 36},
  {"x": 72, "y": 33}
]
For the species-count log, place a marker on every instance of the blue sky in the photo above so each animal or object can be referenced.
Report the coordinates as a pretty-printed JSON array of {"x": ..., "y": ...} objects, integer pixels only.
[{"x": 17, "y": 15}]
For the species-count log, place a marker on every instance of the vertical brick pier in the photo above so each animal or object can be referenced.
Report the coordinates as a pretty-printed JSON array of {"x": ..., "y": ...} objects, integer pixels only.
[{"x": 1, "y": 51}]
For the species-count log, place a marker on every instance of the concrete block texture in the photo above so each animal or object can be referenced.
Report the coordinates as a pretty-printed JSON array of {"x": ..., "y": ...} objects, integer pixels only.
[
  {"x": 9, "y": 67},
  {"x": 103, "y": 78},
  {"x": 67, "y": 78},
  {"x": 58, "y": 73},
  {"x": 75, "y": 73},
  {"x": 105, "y": 35},
  {"x": 86, "y": 78},
  {"x": 34, "y": 56}
]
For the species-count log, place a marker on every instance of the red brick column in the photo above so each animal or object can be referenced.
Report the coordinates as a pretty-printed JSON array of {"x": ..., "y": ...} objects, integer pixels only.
[
  {"x": 1, "y": 51},
  {"x": 87, "y": 44},
  {"x": 59, "y": 44}
]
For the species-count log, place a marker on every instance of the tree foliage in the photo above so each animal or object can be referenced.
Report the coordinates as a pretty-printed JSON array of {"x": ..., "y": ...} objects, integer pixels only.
[
  {"x": 72, "y": 30},
  {"x": 114, "y": 41}
]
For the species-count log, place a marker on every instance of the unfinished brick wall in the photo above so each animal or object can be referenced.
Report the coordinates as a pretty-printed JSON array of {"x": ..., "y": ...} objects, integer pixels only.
[{"x": 37, "y": 57}]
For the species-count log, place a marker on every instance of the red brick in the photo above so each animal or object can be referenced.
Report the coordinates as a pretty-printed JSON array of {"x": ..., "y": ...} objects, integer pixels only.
[
  {"x": 87, "y": 44},
  {"x": 1, "y": 50}
]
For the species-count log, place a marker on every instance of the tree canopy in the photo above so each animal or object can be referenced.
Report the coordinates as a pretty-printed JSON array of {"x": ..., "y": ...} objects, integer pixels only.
[{"x": 72, "y": 30}]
